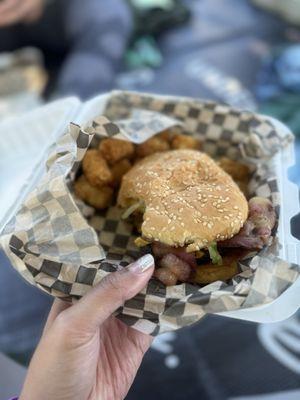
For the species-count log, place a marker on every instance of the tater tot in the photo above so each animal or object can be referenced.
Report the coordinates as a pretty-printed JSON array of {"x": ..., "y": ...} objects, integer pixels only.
[
  {"x": 114, "y": 150},
  {"x": 151, "y": 146},
  {"x": 238, "y": 171},
  {"x": 185, "y": 142},
  {"x": 99, "y": 198},
  {"x": 119, "y": 169},
  {"x": 95, "y": 169},
  {"x": 165, "y": 135},
  {"x": 166, "y": 276}
]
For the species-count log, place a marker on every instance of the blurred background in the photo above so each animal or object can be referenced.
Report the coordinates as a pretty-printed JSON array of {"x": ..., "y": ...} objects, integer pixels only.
[{"x": 240, "y": 52}]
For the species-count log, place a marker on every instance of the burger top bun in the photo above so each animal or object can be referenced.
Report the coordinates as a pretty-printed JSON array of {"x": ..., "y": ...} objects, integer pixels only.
[{"x": 189, "y": 200}]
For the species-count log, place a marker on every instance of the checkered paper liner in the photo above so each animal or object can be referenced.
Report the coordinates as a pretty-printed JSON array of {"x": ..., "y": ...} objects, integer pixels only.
[{"x": 64, "y": 248}]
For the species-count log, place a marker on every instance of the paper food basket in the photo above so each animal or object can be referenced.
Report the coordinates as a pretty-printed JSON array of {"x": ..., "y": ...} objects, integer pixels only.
[{"x": 26, "y": 139}]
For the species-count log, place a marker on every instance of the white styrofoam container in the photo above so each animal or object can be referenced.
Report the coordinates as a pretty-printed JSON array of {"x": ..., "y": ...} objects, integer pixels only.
[{"x": 23, "y": 145}]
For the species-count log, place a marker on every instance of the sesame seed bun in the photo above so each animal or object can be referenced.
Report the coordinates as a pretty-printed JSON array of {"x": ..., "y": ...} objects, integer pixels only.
[{"x": 189, "y": 200}]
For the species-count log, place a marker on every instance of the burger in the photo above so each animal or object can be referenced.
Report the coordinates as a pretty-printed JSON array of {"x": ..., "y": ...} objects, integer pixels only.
[{"x": 193, "y": 216}]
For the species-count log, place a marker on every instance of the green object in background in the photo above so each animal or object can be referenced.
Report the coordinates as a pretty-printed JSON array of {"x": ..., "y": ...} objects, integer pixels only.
[
  {"x": 286, "y": 108},
  {"x": 146, "y": 4},
  {"x": 143, "y": 52},
  {"x": 151, "y": 18}
]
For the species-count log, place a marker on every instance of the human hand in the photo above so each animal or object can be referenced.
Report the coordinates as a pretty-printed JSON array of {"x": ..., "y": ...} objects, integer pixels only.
[
  {"x": 84, "y": 352},
  {"x": 14, "y": 11}
]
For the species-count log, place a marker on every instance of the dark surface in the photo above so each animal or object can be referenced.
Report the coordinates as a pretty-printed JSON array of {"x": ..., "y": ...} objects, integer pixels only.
[
  {"x": 23, "y": 311},
  {"x": 219, "y": 358}
]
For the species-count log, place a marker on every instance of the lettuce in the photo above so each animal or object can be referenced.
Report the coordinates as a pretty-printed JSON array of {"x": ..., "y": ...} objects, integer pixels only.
[{"x": 214, "y": 254}]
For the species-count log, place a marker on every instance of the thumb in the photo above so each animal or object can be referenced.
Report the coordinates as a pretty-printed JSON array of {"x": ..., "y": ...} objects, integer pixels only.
[{"x": 105, "y": 298}]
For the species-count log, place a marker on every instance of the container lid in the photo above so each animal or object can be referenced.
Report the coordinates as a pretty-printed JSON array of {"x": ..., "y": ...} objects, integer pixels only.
[{"x": 23, "y": 141}]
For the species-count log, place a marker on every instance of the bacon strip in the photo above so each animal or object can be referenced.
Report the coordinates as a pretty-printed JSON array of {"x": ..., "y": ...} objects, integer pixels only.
[
  {"x": 179, "y": 267},
  {"x": 257, "y": 229},
  {"x": 160, "y": 250}
]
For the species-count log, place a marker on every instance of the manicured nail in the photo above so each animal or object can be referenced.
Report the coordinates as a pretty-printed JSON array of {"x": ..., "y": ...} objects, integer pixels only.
[{"x": 142, "y": 264}]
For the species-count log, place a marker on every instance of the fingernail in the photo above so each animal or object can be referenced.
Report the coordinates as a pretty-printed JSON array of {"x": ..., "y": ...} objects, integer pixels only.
[{"x": 142, "y": 264}]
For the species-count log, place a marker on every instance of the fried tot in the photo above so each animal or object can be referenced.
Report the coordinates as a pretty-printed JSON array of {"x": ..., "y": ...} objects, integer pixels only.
[
  {"x": 152, "y": 145},
  {"x": 185, "y": 142},
  {"x": 114, "y": 150},
  {"x": 165, "y": 135},
  {"x": 99, "y": 198},
  {"x": 119, "y": 169},
  {"x": 95, "y": 169},
  {"x": 237, "y": 170}
]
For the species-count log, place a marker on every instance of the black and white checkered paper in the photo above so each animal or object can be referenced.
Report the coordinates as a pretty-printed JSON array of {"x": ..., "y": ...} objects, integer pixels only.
[{"x": 62, "y": 247}]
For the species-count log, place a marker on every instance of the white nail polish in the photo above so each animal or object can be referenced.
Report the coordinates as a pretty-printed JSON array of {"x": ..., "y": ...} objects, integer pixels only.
[{"x": 142, "y": 264}]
